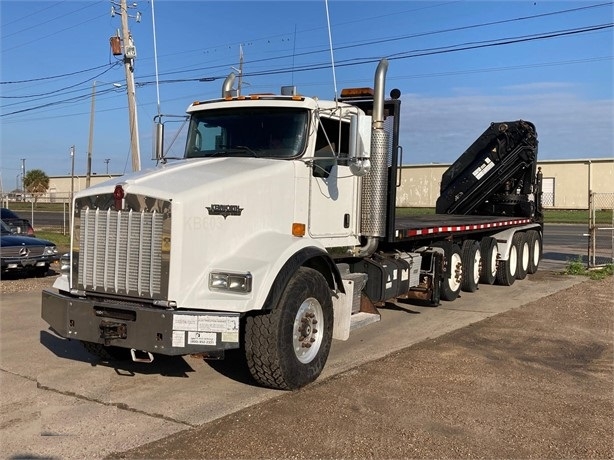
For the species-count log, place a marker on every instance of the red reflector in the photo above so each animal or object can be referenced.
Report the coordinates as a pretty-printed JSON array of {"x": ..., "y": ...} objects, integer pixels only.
[
  {"x": 118, "y": 193},
  {"x": 118, "y": 196}
]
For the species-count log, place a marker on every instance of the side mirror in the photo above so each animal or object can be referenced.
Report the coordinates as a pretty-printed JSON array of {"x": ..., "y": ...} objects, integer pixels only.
[
  {"x": 158, "y": 147},
  {"x": 360, "y": 144}
]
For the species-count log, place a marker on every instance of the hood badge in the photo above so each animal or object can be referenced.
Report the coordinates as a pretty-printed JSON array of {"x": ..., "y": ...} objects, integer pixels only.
[{"x": 224, "y": 210}]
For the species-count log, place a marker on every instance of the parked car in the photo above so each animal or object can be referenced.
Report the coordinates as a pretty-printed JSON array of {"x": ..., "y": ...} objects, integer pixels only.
[
  {"x": 16, "y": 223},
  {"x": 26, "y": 253}
]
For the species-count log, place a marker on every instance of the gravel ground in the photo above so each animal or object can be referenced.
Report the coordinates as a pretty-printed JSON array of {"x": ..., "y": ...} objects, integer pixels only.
[
  {"x": 535, "y": 382},
  {"x": 22, "y": 282}
]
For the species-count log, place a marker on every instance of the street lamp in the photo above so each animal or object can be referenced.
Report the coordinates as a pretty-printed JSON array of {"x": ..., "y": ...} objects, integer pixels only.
[{"x": 106, "y": 160}]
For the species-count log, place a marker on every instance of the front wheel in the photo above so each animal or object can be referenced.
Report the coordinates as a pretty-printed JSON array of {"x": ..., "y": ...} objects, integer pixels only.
[{"x": 287, "y": 347}]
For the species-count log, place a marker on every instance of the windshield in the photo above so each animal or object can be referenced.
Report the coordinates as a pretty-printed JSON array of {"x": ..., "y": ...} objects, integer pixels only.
[
  {"x": 263, "y": 132},
  {"x": 6, "y": 230}
]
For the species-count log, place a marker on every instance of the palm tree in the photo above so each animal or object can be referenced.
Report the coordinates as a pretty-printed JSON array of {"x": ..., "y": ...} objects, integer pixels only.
[{"x": 36, "y": 183}]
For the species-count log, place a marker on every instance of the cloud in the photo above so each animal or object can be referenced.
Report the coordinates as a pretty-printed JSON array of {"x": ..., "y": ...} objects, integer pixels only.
[{"x": 439, "y": 129}]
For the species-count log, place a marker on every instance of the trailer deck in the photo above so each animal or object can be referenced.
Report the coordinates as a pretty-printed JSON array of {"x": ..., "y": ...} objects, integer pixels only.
[{"x": 410, "y": 227}]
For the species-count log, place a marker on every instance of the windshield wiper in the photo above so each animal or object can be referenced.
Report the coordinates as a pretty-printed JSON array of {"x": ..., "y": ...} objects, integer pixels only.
[{"x": 245, "y": 148}]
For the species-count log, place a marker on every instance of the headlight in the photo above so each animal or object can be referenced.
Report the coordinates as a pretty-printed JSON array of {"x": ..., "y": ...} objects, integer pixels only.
[
  {"x": 50, "y": 250},
  {"x": 65, "y": 263},
  {"x": 235, "y": 282}
]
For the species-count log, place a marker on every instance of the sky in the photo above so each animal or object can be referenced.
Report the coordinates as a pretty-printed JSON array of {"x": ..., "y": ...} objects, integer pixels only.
[{"x": 459, "y": 65}]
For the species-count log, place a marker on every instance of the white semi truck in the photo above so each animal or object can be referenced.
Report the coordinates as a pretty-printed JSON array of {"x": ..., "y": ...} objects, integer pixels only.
[{"x": 277, "y": 233}]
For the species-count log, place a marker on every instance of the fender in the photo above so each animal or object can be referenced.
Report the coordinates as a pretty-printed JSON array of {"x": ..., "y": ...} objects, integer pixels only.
[
  {"x": 309, "y": 257},
  {"x": 504, "y": 238},
  {"x": 271, "y": 258}
]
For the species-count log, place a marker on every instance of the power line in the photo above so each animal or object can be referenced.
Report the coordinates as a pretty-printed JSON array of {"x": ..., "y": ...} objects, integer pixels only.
[
  {"x": 61, "y": 16},
  {"x": 33, "y": 13},
  {"x": 55, "y": 91},
  {"x": 52, "y": 77},
  {"x": 366, "y": 60}
]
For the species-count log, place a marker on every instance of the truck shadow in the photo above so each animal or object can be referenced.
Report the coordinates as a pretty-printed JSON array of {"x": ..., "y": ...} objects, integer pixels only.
[
  {"x": 167, "y": 366},
  {"x": 234, "y": 366}
]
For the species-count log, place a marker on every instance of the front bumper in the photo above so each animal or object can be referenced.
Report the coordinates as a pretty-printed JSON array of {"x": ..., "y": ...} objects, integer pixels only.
[
  {"x": 21, "y": 263},
  {"x": 166, "y": 332}
]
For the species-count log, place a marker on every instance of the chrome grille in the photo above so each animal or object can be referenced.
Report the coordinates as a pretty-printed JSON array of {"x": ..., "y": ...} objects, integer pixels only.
[
  {"x": 14, "y": 251},
  {"x": 120, "y": 252}
]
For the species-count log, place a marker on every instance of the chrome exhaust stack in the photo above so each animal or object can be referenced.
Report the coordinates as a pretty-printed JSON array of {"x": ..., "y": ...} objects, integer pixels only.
[{"x": 375, "y": 182}]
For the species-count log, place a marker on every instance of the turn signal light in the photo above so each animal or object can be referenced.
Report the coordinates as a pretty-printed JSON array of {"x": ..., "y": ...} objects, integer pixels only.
[{"x": 298, "y": 229}]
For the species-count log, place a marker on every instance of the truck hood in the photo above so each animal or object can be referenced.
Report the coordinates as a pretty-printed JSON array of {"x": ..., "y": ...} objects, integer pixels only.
[{"x": 183, "y": 178}]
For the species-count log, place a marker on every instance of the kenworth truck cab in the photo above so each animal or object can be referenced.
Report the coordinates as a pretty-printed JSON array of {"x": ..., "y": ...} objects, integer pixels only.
[{"x": 275, "y": 233}]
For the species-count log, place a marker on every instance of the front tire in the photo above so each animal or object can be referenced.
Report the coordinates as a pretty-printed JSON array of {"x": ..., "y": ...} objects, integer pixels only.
[{"x": 287, "y": 347}]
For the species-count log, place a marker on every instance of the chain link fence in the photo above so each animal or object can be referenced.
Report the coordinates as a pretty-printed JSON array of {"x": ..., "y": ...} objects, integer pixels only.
[{"x": 601, "y": 229}]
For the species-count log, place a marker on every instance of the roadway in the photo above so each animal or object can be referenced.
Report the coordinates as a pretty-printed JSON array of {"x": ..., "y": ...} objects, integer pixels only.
[{"x": 60, "y": 402}]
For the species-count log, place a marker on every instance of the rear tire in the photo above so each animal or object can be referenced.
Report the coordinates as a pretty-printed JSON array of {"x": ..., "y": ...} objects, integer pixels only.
[
  {"x": 534, "y": 240},
  {"x": 523, "y": 255},
  {"x": 451, "y": 285},
  {"x": 506, "y": 269},
  {"x": 490, "y": 254},
  {"x": 471, "y": 265},
  {"x": 287, "y": 347}
]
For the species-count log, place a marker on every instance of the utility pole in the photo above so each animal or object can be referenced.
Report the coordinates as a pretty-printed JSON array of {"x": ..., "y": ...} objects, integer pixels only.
[
  {"x": 90, "y": 146},
  {"x": 129, "y": 56},
  {"x": 106, "y": 160},
  {"x": 23, "y": 179},
  {"x": 72, "y": 182}
]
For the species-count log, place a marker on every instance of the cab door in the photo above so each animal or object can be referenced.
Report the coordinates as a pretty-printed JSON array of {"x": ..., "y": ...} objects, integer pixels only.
[{"x": 333, "y": 210}]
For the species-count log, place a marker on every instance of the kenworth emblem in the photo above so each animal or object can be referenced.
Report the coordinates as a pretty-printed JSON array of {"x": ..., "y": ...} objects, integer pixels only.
[{"x": 224, "y": 210}]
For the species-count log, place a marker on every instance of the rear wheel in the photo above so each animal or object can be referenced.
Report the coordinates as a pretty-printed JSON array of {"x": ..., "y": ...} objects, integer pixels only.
[
  {"x": 451, "y": 285},
  {"x": 523, "y": 255},
  {"x": 488, "y": 263},
  {"x": 534, "y": 241},
  {"x": 287, "y": 347},
  {"x": 471, "y": 265},
  {"x": 506, "y": 269}
]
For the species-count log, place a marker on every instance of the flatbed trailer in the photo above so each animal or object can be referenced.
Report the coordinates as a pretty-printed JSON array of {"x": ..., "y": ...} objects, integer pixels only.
[{"x": 409, "y": 228}]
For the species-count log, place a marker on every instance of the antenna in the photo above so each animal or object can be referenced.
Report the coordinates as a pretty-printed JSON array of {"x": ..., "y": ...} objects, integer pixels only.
[
  {"x": 330, "y": 41},
  {"x": 240, "y": 71}
]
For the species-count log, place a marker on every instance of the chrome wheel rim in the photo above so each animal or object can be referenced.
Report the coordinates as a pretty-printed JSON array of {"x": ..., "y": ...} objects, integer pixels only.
[{"x": 306, "y": 335}]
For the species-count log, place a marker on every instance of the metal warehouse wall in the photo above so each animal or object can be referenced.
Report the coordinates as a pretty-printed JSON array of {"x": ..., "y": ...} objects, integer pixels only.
[{"x": 570, "y": 181}]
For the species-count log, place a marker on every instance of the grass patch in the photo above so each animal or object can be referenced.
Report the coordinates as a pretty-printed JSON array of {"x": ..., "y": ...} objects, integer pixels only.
[
  {"x": 577, "y": 267},
  {"x": 20, "y": 206},
  {"x": 61, "y": 241}
]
